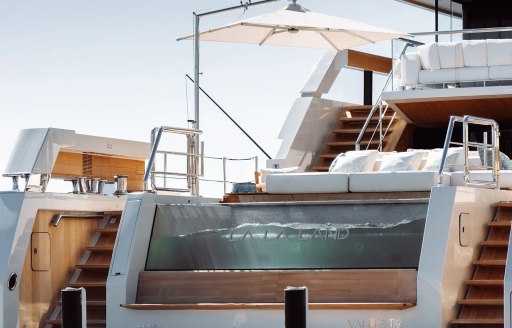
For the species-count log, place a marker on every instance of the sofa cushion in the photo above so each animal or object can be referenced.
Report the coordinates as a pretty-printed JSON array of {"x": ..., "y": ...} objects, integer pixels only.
[
  {"x": 394, "y": 181},
  {"x": 475, "y": 52},
  {"x": 454, "y": 160},
  {"x": 401, "y": 161},
  {"x": 410, "y": 66},
  {"x": 505, "y": 163},
  {"x": 450, "y": 54},
  {"x": 454, "y": 75},
  {"x": 503, "y": 72},
  {"x": 354, "y": 161},
  {"x": 309, "y": 182},
  {"x": 265, "y": 172},
  {"x": 429, "y": 56},
  {"x": 499, "y": 52}
]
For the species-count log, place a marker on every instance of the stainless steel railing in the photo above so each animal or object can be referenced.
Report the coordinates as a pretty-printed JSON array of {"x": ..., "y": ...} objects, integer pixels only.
[
  {"x": 378, "y": 104},
  {"x": 466, "y": 144},
  {"x": 194, "y": 160}
]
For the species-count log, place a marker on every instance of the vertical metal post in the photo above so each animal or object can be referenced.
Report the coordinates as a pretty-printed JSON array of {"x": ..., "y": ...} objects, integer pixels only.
[
  {"x": 436, "y": 13},
  {"x": 165, "y": 170},
  {"x": 486, "y": 161},
  {"x": 224, "y": 172},
  {"x": 195, "y": 180},
  {"x": 380, "y": 127}
]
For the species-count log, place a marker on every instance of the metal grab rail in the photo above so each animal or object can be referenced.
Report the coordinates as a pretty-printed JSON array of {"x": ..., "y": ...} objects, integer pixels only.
[
  {"x": 495, "y": 133},
  {"x": 379, "y": 101},
  {"x": 193, "y": 157},
  {"x": 57, "y": 218}
]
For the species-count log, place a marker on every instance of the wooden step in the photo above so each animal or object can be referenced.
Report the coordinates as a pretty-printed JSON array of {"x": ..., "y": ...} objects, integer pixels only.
[
  {"x": 95, "y": 284},
  {"x": 490, "y": 262},
  {"x": 100, "y": 248},
  {"x": 350, "y": 143},
  {"x": 93, "y": 267},
  {"x": 499, "y": 224},
  {"x": 90, "y": 323},
  {"x": 107, "y": 230},
  {"x": 478, "y": 321},
  {"x": 363, "y": 119},
  {"x": 320, "y": 168},
  {"x": 484, "y": 282},
  {"x": 494, "y": 243},
  {"x": 90, "y": 303},
  {"x": 491, "y": 301},
  {"x": 357, "y": 131},
  {"x": 503, "y": 204}
]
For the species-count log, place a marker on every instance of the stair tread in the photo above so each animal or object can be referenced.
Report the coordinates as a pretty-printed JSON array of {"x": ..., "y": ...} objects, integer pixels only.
[
  {"x": 350, "y": 143},
  {"x": 491, "y": 301},
  {"x": 485, "y": 282},
  {"x": 494, "y": 243},
  {"x": 97, "y": 284},
  {"x": 354, "y": 131},
  {"x": 89, "y": 322},
  {"x": 107, "y": 230},
  {"x": 477, "y": 321},
  {"x": 503, "y": 204},
  {"x": 362, "y": 119},
  {"x": 489, "y": 262},
  {"x": 499, "y": 224},
  {"x": 93, "y": 266},
  {"x": 100, "y": 248},
  {"x": 90, "y": 303}
]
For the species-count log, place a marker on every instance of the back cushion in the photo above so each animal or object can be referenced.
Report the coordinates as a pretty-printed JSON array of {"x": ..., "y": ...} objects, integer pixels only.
[
  {"x": 450, "y": 54},
  {"x": 354, "y": 161},
  {"x": 475, "y": 53},
  {"x": 499, "y": 52},
  {"x": 429, "y": 56},
  {"x": 407, "y": 161}
]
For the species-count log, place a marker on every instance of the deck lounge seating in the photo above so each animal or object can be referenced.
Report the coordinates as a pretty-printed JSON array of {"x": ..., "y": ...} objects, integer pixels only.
[
  {"x": 452, "y": 62},
  {"x": 391, "y": 172}
]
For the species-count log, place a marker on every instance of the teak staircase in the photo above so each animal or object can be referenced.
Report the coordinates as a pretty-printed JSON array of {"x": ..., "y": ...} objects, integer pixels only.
[
  {"x": 91, "y": 273},
  {"x": 345, "y": 131},
  {"x": 483, "y": 305}
]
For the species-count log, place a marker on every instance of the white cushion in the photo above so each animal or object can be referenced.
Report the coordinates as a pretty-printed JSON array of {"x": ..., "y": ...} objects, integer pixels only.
[
  {"x": 454, "y": 160},
  {"x": 401, "y": 161},
  {"x": 410, "y": 68},
  {"x": 394, "y": 181},
  {"x": 505, "y": 163},
  {"x": 500, "y": 72},
  {"x": 499, "y": 52},
  {"x": 454, "y": 75},
  {"x": 450, "y": 54},
  {"x": 429, "y": 56},
  {"x": 475, "y": 52},
  {"x": 309, "y": 182},
  {"x": 354, "y": 161},
  {"x": 267, "y": 171}
]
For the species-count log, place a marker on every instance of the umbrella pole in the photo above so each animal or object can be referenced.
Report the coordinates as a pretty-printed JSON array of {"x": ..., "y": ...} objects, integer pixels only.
[{"x": 195, "y": 124}]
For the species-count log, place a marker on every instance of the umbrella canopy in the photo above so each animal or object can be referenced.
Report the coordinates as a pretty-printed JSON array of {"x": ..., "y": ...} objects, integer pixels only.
[{"x": 298, "y": 27}]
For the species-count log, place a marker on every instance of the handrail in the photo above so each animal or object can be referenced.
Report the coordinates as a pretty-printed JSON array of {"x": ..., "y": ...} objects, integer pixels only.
[
  {"x": 465, "y": 31},
  {"x": 57, "y": 218},
  {"x": 495, "y": 145},
  {"x": 379, "y": 100},
  {"x": 192, "y": 136}
]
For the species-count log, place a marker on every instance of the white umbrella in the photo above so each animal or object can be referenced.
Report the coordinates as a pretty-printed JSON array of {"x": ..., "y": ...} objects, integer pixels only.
[{"x": 298, "y": 27}]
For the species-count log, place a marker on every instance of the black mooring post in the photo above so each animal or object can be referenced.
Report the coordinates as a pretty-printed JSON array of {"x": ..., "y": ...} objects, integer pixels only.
[
  {"x": 295, "y": 307},
  {"x": 368, "y": 88},
  {"x": 73, "y": 308}
]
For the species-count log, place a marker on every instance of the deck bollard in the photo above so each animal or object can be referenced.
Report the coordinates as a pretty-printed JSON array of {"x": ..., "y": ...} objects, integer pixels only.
[
  {"x": 74, "y": 314},
  {"x": 295, "y": 307}
]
